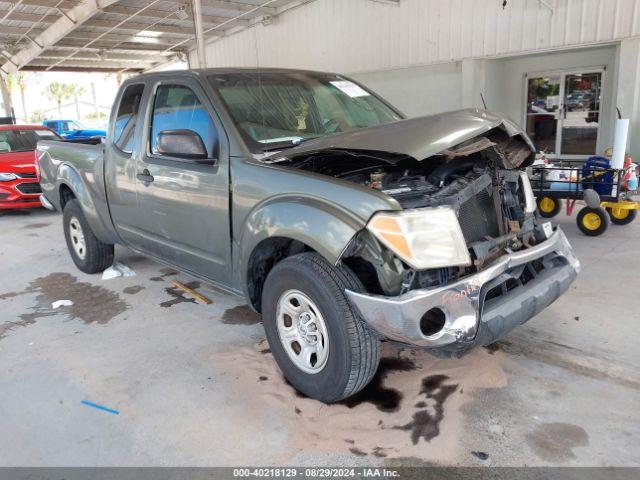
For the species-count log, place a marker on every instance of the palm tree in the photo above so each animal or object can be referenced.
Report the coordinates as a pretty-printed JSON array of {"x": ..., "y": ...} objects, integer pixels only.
[
  {"x": 17, "y": 80},
  {"x": 77, "y": 91},
  {"x": 59, "y": 92},
  {"x": 6, "y": 95}
]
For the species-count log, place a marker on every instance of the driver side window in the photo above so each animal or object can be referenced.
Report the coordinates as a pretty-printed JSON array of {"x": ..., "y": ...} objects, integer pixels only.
[{"x": 176, "y": 107}]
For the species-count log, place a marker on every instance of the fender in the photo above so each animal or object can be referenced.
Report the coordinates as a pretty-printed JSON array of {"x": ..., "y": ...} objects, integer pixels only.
[
  {"x": 322, "y": 225},
  {"x": 95, "y": 214}
]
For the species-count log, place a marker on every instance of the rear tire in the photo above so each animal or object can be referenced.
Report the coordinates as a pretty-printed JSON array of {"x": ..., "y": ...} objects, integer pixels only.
[
  {"x": 88, "y": 253},
  {"x": 305, "y": 286},
  {"x": 621, "y": 216},
  {"x": 592, "y": 221},
  {"x": 549, "y": 207}
]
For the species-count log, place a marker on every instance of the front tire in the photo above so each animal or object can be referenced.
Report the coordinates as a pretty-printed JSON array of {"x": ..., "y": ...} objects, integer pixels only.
[
  {"x": 88, "y": 253},
  {"x": 318, "y": 339}
]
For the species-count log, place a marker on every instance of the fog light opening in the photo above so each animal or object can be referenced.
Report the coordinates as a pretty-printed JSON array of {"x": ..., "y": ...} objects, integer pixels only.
[{"x": 432, "y": 321}]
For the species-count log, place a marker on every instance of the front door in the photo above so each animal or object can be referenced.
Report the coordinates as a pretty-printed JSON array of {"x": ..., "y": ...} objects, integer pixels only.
[
  {"x": 563, "y": 112},
  {"x": 184, "y": 203}
]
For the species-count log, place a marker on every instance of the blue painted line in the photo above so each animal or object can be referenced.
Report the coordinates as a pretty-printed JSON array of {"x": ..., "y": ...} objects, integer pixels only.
[{"x": 100, "y": 407}]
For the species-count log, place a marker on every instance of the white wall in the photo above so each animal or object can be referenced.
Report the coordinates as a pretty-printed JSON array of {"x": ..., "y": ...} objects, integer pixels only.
[
  {"x": 361, "y": 35},
  {"x": 428, "y": 56},
  {"x": 425, "y": 90}
]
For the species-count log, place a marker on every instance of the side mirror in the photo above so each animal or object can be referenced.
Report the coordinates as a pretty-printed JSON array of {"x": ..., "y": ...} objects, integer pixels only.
[{"x": 182, "y": 144}]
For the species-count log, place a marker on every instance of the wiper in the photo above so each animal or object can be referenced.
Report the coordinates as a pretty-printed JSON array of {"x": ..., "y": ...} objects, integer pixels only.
[{"x": 269, "y": 147}]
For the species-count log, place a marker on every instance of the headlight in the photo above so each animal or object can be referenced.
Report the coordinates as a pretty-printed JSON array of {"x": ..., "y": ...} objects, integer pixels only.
[
  {"x": 7, "y": 177},
  {"x": 529, "y": 199},
  {"x": 423, "y": 238}
]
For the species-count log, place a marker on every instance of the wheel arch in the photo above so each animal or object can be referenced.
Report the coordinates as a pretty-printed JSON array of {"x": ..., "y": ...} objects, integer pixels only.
[
  {"x": 71, "y": 186},
  {"x": 285, "y": 227}
]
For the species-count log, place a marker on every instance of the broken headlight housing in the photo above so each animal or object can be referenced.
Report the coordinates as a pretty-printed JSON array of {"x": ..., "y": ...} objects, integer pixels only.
[{"x": 423, "y": 238}]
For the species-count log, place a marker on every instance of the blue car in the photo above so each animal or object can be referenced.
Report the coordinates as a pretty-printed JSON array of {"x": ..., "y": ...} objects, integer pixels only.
[{"x": 73, "y": 130}]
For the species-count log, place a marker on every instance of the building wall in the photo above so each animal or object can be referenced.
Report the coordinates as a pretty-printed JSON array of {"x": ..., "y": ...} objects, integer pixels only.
[
  {"x": 363, "y": 35},
  {"x": 425, "y": 89},
  {"x": 428, "y": 56}
]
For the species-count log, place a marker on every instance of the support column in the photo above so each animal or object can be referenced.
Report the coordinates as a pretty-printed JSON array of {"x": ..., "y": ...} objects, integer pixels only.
[
  {"x": 197, "y": 24},
  {"x": 7, "y": 106},
  {"x": 628, "y": 93}
]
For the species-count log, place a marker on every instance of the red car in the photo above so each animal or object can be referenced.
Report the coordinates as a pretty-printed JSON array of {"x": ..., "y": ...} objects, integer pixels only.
[{"x": 19, "y": 187}]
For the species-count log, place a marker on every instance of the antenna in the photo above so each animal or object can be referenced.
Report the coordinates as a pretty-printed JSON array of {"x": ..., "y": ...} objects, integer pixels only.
[{"x": 483, "y": 102}]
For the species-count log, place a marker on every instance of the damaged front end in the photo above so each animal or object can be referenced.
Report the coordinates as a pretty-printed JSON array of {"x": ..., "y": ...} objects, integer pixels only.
[{"x": 479, "y": 264}]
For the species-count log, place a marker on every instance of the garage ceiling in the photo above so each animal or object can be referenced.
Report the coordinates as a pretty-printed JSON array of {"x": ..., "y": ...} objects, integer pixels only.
[{"x": 108, "y": 35}]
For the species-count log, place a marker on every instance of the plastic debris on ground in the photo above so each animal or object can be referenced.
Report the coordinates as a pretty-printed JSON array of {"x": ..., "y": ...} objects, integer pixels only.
[
  {"x": 61, "y": 303},
  {"x": 117, "y": 270}
]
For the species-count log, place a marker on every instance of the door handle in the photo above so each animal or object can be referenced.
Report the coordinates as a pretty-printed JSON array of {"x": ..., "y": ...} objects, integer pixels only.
[{"x": 145, "y": 177}]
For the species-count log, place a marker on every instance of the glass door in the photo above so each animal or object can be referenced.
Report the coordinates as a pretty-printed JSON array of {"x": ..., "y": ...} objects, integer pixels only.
[
  {"x": 581, "y": 113},
  {"x": 563, "y": 113}
]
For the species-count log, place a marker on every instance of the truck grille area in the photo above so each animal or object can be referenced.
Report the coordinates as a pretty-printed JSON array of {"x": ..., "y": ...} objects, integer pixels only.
[
  {"x": 521, "y": 276},
  {"x": 29, "y": 188},
  {"x": 478, "y": 219}
]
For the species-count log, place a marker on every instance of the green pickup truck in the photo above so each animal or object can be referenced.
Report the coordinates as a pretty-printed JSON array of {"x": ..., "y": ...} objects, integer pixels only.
[{"x": 339, "y": 220}]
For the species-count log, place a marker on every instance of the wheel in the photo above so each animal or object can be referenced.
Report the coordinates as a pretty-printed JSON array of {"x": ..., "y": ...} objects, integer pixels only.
[
  {"x": 621, "y": 216},
  {"x": 549, "y": 207},
  {"x": 318, "y": 339},
  {"x": 88, "y": 253},
  {"x": 592, "y": 221}
]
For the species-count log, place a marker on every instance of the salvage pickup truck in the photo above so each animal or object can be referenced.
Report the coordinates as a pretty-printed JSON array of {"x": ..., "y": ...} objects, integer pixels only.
[{"x": 339, "y": 220}]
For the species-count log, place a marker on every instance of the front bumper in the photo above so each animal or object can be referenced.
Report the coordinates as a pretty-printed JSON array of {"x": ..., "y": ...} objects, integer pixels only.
[
  {"x": 470, "y": 318},
  {"x": 12, "y": 194}
]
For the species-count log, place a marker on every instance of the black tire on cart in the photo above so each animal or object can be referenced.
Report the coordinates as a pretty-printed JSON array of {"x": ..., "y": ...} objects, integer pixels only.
[
  {"x": 88, "y": 253},
  {"x": 549, "y": 207},
  {"x": 318, "y": 340},
  {"x": 621, "y": 216},
  {"x": 592, "y": 221}
]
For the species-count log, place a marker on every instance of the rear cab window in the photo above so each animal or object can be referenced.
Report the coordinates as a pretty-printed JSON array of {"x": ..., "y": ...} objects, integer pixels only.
[{"x": 127, "y": 117}]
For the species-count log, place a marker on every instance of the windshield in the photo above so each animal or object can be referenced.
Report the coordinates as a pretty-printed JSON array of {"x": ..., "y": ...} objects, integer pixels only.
[
  {"x": 290, "y": 107},
  {"x": 23, "y": 140}
]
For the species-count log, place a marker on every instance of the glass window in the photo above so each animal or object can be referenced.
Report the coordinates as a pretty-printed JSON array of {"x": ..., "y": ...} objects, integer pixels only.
[
  {"x": 23, "y": 140},
  {"x": 176, "y": 107},
  {"x": 127, "y": 117},
  {"x": 276, "y": 108}
]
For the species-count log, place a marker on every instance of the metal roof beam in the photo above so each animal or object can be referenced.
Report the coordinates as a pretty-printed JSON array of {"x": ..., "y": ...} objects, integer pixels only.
[
  {"x": 58, "y": 30},
  {"x": 30, "y": 17},
  {"x": 108, "y": 43},
  {"x": 50, "y": 63},
  {"x": 238, "y": 7},
  {"x": 66, "y": 5},
  {"x": 109, "y": 24},
  {"x": 155, "y": 13}
]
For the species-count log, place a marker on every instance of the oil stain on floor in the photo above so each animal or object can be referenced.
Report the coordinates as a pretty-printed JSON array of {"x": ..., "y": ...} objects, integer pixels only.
[
  {"x": 91, "y": 303},
  {"x": 32, "y": 226},
  {"x": 384, "y": 398},
  {"x": 241, "y": 315},
  {"x": 133, "y": 289},
  {"x": 555, "y": 442},
  {"x": 426, "y": 421},
  {"x": 164, "y": 272},
  {"x": 179, "y": 295},
  {"x": 403, "y": 412}
]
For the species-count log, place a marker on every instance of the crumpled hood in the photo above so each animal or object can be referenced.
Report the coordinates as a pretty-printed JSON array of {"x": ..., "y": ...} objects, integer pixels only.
[{"x": 419, "y": 138}]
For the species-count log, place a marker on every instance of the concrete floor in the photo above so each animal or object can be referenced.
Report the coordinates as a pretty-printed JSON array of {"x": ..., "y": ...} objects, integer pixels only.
[{"x": 195, "y": 384}]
